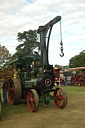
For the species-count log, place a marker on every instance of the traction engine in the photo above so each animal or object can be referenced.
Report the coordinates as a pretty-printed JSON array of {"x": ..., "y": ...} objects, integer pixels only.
[
  {"x": 78, "y": 78},
  {"x": 33, "y": 77}
]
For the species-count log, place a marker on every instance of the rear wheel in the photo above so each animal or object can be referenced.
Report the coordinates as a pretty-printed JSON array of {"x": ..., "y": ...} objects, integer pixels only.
[
  {"x": 14, "y": 91},
  {"x": 80, "y": 80},
  {"x": 32, "y": 100},
  {"x": 61, "y": 97}
]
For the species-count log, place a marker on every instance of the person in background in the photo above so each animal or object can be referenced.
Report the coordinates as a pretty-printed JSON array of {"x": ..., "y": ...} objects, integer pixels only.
[{"x": 4, "y": 87}]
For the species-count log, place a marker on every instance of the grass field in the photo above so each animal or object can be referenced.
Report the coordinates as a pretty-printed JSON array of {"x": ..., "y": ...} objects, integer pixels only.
[{"x": 48, "y": 116}]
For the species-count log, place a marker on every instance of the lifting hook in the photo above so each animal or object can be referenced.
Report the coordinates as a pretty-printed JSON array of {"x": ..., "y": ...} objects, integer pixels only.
[{"x": 62, "y": 54}]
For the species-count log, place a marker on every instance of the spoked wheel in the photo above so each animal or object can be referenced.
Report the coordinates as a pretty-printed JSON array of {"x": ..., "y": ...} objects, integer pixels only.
[
  {"x": 61, "y": 97},
  {"x": 14, "y": 91},
  {"x": 80, "y": 80},
  {"x": 32, "y": 100},
  {"x": 0, "y": 111}
]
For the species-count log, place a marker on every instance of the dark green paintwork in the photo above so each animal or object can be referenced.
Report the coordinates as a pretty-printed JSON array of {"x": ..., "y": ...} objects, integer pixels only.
[
  {"x": 40, "y": 71},
  {"x": 30, "y": 83}
]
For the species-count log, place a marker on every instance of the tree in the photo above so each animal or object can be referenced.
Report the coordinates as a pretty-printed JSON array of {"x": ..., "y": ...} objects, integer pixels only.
[
  {"x": 28, "y": 40},
  {"x": 62, "y": 67},
  {"x": 78, "y": 60},
  {"x": 5, "y": 56},
  {"x": 58, "y": 66}
]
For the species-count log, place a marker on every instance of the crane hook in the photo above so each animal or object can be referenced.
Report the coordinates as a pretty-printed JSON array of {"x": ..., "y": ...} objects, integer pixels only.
[{"x": 62, "y": 54}]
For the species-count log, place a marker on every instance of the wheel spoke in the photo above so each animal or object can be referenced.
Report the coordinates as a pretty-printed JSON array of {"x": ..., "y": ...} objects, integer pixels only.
[
  {"x": 32, "y": 100},
  {"x": 60, "y": 97},
  {"x": 12, "y": 96}
]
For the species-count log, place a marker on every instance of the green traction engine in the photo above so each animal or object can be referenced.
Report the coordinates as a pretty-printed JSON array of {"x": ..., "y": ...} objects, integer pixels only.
[{"x": 33, "y": 76}]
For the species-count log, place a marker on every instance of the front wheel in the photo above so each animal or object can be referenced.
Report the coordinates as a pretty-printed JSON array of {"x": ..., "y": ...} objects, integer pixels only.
[
  {"x": 32, "y": 100},
  {"x": 60, "y": 97}
]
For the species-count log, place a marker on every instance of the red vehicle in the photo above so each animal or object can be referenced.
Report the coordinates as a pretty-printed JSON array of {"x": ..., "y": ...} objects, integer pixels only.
[
  {"x": 78, "y": 78},
  {"x": 59, "y": 79}
]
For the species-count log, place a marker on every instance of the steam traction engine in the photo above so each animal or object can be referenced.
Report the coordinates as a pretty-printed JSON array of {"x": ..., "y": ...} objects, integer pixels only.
[
  {"x": 33, "y": 81},
  {"x": 78, "y": 78}
]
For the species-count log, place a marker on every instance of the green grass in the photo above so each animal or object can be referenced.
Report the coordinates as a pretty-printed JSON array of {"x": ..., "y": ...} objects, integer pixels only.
[
  {"x": 1, "y": 92},
  {"x": 47, "y": 116}
]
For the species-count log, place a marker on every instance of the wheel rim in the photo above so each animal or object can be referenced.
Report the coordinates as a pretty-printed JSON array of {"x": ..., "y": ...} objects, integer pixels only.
[
  {"x": 11, "y": 92},
  {"x": 61, "y": 98},
  {"x": 32, "y": 100}
]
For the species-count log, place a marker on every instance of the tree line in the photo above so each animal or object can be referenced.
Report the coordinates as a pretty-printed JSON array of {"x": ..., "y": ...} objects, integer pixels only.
[{"x": 28, "y": 42}]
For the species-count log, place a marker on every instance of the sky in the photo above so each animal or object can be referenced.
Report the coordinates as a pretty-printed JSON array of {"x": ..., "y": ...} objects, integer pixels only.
[{"x": 23, "y": 15}]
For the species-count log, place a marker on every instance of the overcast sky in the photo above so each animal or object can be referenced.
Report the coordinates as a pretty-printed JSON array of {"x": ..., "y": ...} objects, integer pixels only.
[{"x": 22, "y": 15}]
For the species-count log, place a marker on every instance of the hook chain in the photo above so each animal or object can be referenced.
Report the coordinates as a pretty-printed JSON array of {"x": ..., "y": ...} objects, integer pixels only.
[{"x": 61, "y": 43}]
